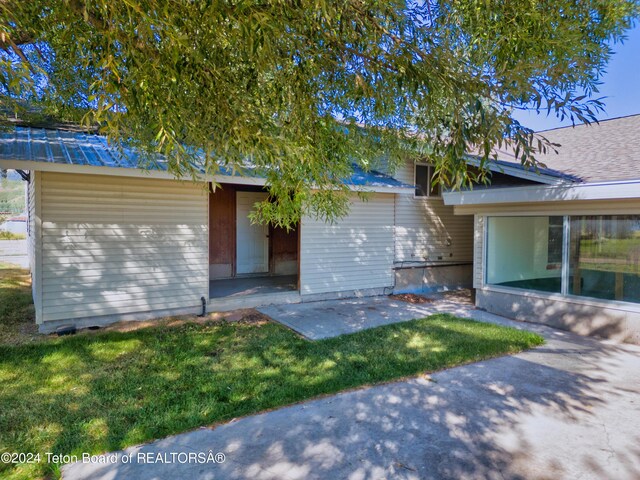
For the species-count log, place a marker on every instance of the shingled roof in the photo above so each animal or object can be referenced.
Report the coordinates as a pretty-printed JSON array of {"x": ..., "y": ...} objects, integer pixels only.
[{"x": 602, "y": 152}]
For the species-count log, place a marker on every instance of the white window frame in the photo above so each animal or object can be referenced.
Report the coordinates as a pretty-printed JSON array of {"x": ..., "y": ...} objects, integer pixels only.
[{"x": 429, "y": 175}]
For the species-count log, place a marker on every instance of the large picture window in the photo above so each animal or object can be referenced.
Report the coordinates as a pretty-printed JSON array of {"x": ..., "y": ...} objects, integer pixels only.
[
  {"x": 600, "y": 257},
  {"x": 522, "y": 252}
]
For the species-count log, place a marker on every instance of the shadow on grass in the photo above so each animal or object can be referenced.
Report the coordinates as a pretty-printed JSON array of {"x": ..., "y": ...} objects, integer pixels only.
[
  {"x": 104, "y": 392},
  {"x": 543, "y": 414}
]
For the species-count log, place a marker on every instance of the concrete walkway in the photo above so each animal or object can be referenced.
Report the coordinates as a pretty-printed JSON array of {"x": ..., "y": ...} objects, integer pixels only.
[
  {"x": 330, "y": 318},
  {"x": 567, "y": 410}
]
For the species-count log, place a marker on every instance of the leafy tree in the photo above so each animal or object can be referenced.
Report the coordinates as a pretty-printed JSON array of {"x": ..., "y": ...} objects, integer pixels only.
[
  {"x": 301, "y": 89},
  {"x": 12, "y": 196}
]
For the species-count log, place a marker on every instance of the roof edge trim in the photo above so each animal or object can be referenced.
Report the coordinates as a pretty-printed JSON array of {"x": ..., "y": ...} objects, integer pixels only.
[
  {"x": 513, "y": 171},
  {"x": 616, "y": 190},
  {"x": 164, "y": 175}
]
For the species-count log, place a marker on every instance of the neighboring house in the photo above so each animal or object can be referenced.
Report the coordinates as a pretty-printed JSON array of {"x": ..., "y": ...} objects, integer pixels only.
[
  {"x": 567, "y": 254},
  {"x": 16, "y": 225},
  {"x": 109, "y": 241}
]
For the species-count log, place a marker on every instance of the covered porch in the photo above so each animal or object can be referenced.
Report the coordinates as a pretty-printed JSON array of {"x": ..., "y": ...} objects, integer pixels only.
[
  {"x": 249, "y": 263},
  {"x": 252, "y": 285}
]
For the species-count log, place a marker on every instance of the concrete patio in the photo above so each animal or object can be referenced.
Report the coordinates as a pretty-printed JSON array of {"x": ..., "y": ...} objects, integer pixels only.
[
  {"x": 569, "y": 409},
  {"x": 252, "y": 285}
]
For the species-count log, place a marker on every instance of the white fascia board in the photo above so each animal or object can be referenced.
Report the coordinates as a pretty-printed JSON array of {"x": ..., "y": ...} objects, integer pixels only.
[
  {"x": 141, "y": 173},
  {"x": 620, "y": 190},
  {"x": 121, "y": 172},
  {"x": 532, "y": 175}
]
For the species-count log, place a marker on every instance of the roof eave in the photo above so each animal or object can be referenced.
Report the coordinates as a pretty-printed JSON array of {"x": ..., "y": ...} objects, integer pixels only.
[
  {"x": 121, "y": 172},
  {"x": 142, "y": 173},
  {"x": 535, "y": 176},
  {"x": 618, "y": 190}
]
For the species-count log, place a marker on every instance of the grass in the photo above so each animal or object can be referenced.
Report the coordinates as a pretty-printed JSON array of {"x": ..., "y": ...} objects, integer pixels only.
[
  {"x": 17, "y": 315},
  {"x": 105, "y": 391},
  {"x": 609, "y": 248},
  {"x": 4, "y": 235},
  {"x": 12, "y": 197}
]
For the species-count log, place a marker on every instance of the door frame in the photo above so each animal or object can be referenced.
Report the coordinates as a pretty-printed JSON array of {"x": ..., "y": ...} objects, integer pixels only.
[
  {"x": 267, "y": 247},
  {"x": 232, "y": 228}
]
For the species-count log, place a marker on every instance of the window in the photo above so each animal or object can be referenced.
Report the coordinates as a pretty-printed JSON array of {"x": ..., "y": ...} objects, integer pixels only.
[
  {"x": 424, "y": 182},
  {"x": 519, "y": 250},
  {"x": 601, "y": 261},
  {"x": 604, "y": 257}
]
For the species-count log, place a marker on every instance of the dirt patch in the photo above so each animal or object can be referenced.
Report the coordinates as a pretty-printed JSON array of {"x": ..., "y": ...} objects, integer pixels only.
[
  {"x": 459, "y": 296},
  {"x": 20, "y": 334},
  {"x": 411, "y": 298},
  {"x": 463, "y": 296},
  {"x": 132, "y": 326},
  {"x": 244, "y": 315}
]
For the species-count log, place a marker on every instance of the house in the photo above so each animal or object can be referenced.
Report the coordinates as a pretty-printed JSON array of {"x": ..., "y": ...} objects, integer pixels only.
[
  {"x": 565, "y": 254},
  {"x": 110, "y": 241}
]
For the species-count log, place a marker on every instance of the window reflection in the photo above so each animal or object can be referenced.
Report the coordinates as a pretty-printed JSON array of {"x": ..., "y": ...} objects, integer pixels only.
[{"x": 604, "y": 257}]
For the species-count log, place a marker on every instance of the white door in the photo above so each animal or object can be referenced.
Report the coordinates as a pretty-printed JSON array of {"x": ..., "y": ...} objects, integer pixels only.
[{"x": 252, "y": 241}]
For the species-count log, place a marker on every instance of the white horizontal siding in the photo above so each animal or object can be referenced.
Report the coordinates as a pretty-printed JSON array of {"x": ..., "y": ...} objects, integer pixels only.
[
  {"x": 34, "y": 240},
  {"x": 150, "y": 283},
  {"x": 426, "y": 230},
  {"x": 31, "y": 216},
  {"x": 99, "y": 268},
  {"x": 478, "y": 251},
  {"x": 355, "y": 253},
  {"x": 148, "y": 258},
  {"x": 114, "y": 245}
]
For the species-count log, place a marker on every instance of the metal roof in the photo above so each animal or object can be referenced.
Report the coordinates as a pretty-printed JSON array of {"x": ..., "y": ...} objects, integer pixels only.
[
  {"x": 504, "y": 166},
  {"x": 63, "y": 147},
  {"x": 39, "y": 147},
  {"x": 549, "y": 172},
  {"x": 374, "y": 178}
]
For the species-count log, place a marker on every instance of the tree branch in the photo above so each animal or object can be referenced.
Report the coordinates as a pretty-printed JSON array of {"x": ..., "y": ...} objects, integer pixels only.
[{"x": 21, "y": 38}]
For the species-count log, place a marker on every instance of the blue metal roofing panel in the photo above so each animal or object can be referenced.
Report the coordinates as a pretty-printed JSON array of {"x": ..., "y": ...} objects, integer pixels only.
[
  {"x": 542, "y": 170},
  {"x": 549, "y": 172},
  {"x": 373, "y": 178},
  {"x": 78, "y": 148},
  {"x": 65, "y": 147}
]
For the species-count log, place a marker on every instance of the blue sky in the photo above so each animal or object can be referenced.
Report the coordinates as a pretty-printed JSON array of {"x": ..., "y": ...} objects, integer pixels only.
[{"x": 621, "y": 87}]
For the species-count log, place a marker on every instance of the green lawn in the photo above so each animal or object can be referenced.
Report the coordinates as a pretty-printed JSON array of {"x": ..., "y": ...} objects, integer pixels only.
[
  {"x": 17, "y": 316},
  {"x": 105, "y": 391},
  {"x": 4, "y": 235},
  {"x": 609, "y": 248}
]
